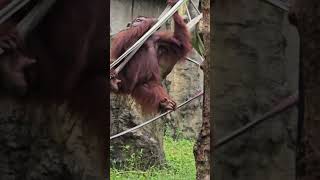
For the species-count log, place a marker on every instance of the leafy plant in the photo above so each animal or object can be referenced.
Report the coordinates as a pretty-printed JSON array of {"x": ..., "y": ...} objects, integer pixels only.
[{"x": 180, "y": 163}]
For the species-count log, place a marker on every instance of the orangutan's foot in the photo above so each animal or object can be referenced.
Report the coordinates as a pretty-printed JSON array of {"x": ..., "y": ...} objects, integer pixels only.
[{"x": 167, "y": 104}]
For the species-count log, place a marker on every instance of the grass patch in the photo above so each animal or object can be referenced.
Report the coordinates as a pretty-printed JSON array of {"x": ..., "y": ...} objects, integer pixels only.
[{"x": 180, "y": 164}]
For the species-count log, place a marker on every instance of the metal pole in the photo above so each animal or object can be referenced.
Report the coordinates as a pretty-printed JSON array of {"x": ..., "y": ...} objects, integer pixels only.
[{"x": 11, "y": 8}]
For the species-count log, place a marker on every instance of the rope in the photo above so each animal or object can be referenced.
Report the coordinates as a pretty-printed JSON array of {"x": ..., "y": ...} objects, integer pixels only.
[
  {"x": 282, "y": 106},
  {"x": 155, "y": 118}
]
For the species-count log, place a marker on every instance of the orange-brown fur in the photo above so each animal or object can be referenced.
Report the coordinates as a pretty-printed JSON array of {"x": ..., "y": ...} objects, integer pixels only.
[{"x": 142, "y": 76}]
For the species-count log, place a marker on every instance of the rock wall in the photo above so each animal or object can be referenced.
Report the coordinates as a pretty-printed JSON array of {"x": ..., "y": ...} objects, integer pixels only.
[
  {"x": 123, "y": 11},
  {"x": 145, "y": 143},
  {"x": 41, "y": 142},
  {"x": 255, "y": 66},
  {"x": 185, "y": 81}
]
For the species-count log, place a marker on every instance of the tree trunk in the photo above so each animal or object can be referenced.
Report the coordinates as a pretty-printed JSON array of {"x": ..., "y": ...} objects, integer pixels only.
[
  {"x": 202, "y": 147},
  {"x": 305, "y": 15}
]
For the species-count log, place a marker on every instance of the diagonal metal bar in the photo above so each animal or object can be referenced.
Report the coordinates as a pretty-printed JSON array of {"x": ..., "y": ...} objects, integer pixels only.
[
  {"x": 193, "y": 22},
  {"x": 11, "y": 8},
  {"x": 121, "y": 66},
  {"x": 34, "y": 17},
  {"x": 154, "y": 28},
  {"x": 279, "y": 4},
  {"x": 190, "y": 27},
  {"x": 195, "y": 7},
  {"x": 123, "y": 63},
  {"x": 194, "y": 61},
  {"x": 282, "y": 106},
  {"x": 8, "y": 7},
  {"x": 161, "y": 15},
  {"x": 165, "y": 11},
  {"x": 155, "y": 118},
  {"x": 188, "y": 13}
]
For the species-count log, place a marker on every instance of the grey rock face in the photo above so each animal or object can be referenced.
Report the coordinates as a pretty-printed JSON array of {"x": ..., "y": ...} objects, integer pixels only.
[
  {"x": 255, "y": 66},
  {"x": 145, "y": 143},
  {"x": 185, "y": 81},
  {"x": 46, "y": 143}
]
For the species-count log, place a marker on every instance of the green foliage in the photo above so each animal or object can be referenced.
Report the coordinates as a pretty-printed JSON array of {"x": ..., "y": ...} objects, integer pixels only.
[
  {"x": 179, "y": 165},
  {"x": 197, "y": 43},
  {"x": 132, "y": 163},
  {"x": 174, "y": 132}
]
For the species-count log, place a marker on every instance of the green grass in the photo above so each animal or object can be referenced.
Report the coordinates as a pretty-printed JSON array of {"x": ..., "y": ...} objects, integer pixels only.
[{"x": 180, "y": 164}]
